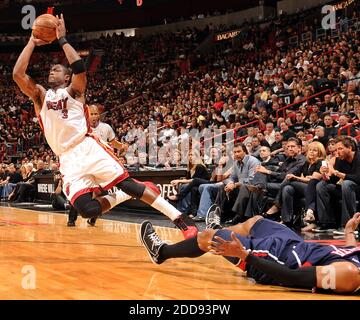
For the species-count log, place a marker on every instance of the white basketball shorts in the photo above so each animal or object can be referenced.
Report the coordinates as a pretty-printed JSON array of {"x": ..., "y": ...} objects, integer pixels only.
[{"x": 87, "y": 166}]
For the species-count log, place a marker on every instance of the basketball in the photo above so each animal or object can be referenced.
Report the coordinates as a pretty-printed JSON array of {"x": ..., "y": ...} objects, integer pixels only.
[{"x": 44, "y": 27}]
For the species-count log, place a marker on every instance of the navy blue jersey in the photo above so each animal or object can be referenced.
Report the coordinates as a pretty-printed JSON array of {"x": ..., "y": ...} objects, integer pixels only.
[
  {"x": 276, "y": 242},
  {"x": 319, "y": 255}
]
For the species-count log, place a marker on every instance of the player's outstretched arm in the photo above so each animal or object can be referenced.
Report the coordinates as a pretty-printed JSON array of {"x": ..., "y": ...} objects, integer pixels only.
[
  {"x": 78, "y": 81},
  {"x": 350, "y": 228},
  {"x": 26, "y": 84},
  {"x": 122, "y": 147}
]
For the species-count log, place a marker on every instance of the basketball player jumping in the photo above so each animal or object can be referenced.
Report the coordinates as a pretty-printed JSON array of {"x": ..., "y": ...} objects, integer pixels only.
[
  {"x": 85, "y": 162},
  {"x": 271, "y": 253}
]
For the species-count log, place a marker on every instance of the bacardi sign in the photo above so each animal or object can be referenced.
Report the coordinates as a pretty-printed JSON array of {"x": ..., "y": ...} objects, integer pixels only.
[{"x": 226, "y": 35}]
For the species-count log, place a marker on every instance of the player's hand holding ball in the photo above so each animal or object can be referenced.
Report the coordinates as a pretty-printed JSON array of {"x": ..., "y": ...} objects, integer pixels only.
[
  {"x": 60, "y": 27},
  {"x": 37, "y": 42}
]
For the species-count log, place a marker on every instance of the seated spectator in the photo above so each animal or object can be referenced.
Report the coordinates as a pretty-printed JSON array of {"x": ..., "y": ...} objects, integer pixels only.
[
  {"x": 255, "y": 147},
  {"x": 214, "y": 157},
  {"x": 342, "y": 181},
  {"x": 269, "y": 179},
  {"x": 300, "y": 124},
  {"x": 230, "y": 196},
  {"x": 320, "y": 136},
  {"x": 263, "y": 141},
  {"x": 327, "y": 105},
  {"x": 24, "y": 189},
  {"x": 344, "y": 128},
  {"x": 27, "y": 178},
  {"x": 356, "y": 115},
  {"x": 242, "y": 172},
  {"x": 331, "y": 150},
  {"x": 286, "y": 132},
  {"x": 295, "y": 186},
  {"x": 197, "y": 174},
  {"x": 2, "y": 179},
  {"x": 264, "y": 154},
  {"x": 23, "y": 172},
  {"x": 313, "y": 122},
  {"x": 269, "y": 133},
  {"x": 338, "y": 103},
  {"x": 12, "y": 178},
  {"x": 277, "y": 146},
  {"x": 330, "y": 130}
]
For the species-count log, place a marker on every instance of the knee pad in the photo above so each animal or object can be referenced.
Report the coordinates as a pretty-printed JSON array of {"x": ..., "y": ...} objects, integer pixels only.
[
  {"x": 132, "y": 188},
  {"x": 87, "y": 206}
]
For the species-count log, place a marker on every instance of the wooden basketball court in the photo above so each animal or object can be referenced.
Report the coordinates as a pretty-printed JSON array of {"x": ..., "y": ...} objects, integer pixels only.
[{"x": 42, "y": 258}]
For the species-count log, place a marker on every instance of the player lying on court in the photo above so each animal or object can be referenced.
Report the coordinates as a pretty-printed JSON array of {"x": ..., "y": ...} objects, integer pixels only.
[
  {"x": 271, "y": 253},
  {"x": 85, "y": 162}
]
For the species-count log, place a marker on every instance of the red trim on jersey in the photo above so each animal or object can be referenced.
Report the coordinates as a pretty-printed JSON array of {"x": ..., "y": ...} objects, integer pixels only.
[
  {"x": 259, "y": 254},
  {"x": 41, "y": 123},
  {"x": 307, "y": 264},
  {"x": 83, "y": 191},
  {"x": 117, "y": 180},
  {"x": 150, "y": 185},
  {"x": 242, "y": 265},
  {"x": 87, "y": 117}
]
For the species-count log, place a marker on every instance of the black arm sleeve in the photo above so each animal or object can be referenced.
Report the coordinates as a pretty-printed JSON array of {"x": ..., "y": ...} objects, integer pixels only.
[{"x": 302, "y": 278}]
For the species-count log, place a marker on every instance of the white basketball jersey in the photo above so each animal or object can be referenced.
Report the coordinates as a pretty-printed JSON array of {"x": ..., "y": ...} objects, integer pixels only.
[
  {"x": 104, "y": 132},
  {"x": 64, "y": 120}
]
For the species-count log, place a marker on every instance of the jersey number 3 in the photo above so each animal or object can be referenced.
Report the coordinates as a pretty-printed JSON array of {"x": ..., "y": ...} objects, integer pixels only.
[{"x": 59, "y": 105}]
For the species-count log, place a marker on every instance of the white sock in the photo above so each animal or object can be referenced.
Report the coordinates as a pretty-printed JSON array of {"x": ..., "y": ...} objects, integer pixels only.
[
  {"x": 117, "y": 197},
  {"x": 166, "y": 208}
]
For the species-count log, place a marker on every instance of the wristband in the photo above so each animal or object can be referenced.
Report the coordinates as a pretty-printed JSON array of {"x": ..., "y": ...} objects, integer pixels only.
[
  {"x": 62, "y": 41},
  {"x": 78, "y": 66}
]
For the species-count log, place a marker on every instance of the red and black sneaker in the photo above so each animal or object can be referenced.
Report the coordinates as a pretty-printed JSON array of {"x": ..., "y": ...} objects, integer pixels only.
[{"x": 187, "y": 226}]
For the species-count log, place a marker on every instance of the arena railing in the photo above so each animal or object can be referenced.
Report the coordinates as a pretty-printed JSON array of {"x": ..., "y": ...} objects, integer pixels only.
[
  {"x": 242, "y": 138},
  {"x": 321, "y": 33},
  {"x": 172, "y": 123},
  {"x": 233, "y": 130},
  {"x": 283, "y": 109},
  {"x": 348, "y": 128}
]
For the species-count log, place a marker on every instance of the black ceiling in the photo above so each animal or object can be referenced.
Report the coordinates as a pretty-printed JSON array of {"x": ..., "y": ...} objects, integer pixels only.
[{"x": 109, "y": 14}]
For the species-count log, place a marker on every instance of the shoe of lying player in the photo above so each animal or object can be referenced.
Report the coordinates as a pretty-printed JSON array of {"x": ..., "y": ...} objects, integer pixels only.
[
  {"x": 151, "y": 241},
  {"x": 91, "y": 221}
]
